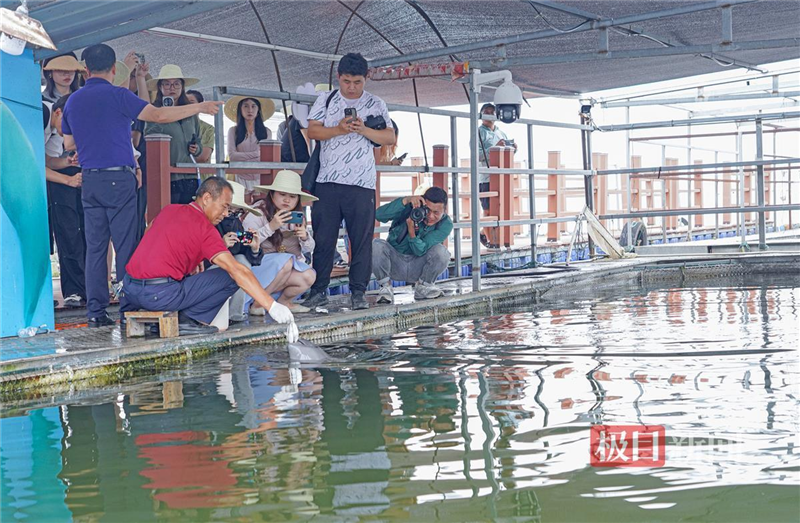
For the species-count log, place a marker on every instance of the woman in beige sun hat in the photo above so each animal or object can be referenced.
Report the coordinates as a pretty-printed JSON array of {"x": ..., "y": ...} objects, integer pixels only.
[
  {"x": 62, "y": 75},
  {"x": 171, "y": 85},
  {"x": 249, "y": 114},
  {"x": 283, "y": 272}
]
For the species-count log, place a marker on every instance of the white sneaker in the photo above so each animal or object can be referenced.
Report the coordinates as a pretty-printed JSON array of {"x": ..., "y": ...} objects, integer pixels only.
[
  {"x": 426, "y": 291},
  {"x": 256, "y": 310},
  {"x": 74, "y": 301},
  {"x": 386, "y": 294}
]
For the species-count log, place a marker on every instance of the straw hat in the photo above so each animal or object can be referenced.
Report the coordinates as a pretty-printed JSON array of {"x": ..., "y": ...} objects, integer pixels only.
[
  {"x": 121, "y": 76},
  {"x": 267, "y": 107},
  {"x": 64, "y": 63},
  {"x": 170, "y": 72},
  {"x": 238, "y": 199},
  {"x": 289, "y": 182}
]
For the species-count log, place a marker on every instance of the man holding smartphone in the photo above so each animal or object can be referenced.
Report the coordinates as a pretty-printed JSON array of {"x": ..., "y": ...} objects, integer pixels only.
[{"x": 346, "y": 181}]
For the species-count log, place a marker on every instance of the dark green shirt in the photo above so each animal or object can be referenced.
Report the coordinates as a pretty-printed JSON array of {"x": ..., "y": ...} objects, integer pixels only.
[{"x": 427, "y": 236}]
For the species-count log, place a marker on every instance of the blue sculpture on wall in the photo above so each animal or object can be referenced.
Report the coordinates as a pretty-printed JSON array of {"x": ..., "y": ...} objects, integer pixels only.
[{"x": 26, "y": 289}]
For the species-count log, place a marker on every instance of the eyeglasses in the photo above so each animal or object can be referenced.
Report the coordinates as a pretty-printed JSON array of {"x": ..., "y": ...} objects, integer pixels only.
[{"x": 172, "y": 85}]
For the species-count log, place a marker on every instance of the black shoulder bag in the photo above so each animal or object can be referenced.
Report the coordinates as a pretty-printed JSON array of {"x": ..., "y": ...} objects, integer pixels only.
[{"x": 310, "y": 173}]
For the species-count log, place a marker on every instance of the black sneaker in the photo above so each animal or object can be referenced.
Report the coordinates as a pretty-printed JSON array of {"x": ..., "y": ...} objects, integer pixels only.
[
  {"x": 358, "y": 301},
  {"x": 316, "y": 299},
  {"x": 101, "y": 321}
]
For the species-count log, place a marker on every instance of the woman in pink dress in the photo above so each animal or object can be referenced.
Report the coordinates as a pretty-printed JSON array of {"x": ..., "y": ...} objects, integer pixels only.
[{"x": 249, "y": 114}]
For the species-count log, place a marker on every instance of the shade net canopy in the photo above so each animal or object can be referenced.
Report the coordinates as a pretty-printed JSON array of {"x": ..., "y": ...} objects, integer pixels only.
[{"x": 392, "y": 28}]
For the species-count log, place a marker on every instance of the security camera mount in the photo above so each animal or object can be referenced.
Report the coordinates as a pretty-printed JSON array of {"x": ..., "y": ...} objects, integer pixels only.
[{"x": 508, "y": 97}]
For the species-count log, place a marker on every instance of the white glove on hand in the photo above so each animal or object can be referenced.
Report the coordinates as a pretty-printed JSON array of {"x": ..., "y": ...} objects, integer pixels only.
[
  {"x": 292, "y": 333},
  {"x": 281, "y": 313}
]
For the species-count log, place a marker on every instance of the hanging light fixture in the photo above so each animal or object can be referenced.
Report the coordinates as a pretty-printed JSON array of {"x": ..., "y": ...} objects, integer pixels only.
[{"x": 17, "y": 29}]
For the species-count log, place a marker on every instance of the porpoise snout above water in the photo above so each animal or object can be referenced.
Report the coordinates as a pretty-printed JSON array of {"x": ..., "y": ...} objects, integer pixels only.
[{"x": 304, "y": 351}]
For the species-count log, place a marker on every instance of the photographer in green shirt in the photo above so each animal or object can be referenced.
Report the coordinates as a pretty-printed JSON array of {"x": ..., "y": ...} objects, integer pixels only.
[{"x": 414, "y": 250}]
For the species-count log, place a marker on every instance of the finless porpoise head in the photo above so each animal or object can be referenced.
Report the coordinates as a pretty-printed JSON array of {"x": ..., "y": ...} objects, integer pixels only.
[{"x": 304, "y": 351}]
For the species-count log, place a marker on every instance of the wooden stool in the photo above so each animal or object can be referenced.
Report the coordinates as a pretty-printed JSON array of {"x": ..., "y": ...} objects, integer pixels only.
[{"x": 167, "y": 323}]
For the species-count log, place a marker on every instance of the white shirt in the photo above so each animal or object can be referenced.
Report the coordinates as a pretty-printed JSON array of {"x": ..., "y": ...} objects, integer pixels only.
[
  {"x": 347, "y": 159},
  {"x": 53, "y": 142}
]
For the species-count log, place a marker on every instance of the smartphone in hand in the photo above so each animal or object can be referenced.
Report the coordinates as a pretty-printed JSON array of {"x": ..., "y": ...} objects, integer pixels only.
[
  {"x": 350, "y": 112},
  {"x": 297, "y": 217}
]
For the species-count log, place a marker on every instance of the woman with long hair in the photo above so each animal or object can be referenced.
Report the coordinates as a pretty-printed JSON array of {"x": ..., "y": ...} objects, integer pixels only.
[
  {"x": 170, "y": 87},
  {"x": 61, "y": 76},
  {"x": 249, "y": 114},
  {"x": 283, "y": 272}
]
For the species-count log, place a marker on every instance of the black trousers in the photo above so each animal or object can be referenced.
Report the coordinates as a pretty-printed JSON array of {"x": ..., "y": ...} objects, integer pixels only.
[
  {"x": 357, "y": 206},
  {"x": 109, "y": 208},
  {"x": 183, "y": 191},
  {"x": 67, "y": 227}
]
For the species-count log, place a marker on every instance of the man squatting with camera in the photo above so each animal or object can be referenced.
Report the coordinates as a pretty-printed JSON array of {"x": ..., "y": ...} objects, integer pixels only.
[{"x": 414, "y": 250}]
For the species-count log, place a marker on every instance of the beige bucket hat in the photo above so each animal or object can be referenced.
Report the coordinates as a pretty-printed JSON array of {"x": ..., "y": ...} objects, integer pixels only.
[
  {"x": 267, "y": 107},
  {"x": 171, "y": 72},
  {"x": 289, "y": 182},
  {"x": 238, "y": 199},
  {"x": 64, "y": 63}
]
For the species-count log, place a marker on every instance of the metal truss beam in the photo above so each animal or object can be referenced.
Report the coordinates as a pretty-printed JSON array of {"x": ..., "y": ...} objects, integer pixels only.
[
  {"x": 163, "y": 31},
  {"x": 549, "y": 33},
  {"x": 637, "y": 53},
  {"x": 700, "y": 121},
  {"x": 634, "y": 30},
  {"x": 688, "y": 99}
]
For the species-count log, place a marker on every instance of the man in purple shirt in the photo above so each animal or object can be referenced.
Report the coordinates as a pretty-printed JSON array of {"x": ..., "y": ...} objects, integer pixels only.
[{"x": 98, "y": 121}]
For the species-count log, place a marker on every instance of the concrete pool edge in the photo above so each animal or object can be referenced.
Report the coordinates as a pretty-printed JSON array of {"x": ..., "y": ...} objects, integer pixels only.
[{"x": 54, "y": 373}]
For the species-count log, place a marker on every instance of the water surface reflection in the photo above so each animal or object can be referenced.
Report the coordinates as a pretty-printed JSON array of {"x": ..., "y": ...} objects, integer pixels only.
[{"x": 476, "y": 420}]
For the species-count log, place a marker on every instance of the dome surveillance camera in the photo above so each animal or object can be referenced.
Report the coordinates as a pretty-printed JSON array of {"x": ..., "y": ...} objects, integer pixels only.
[{"x": 508, "y": 100}]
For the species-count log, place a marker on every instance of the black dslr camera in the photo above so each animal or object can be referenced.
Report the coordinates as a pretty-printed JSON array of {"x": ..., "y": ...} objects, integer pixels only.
[
  {"x": 246, "y": 237},
  {"x": 419, "y": 215}
]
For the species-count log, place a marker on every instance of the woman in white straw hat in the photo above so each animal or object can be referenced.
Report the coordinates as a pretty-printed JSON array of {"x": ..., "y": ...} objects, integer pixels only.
[
  {"x": 283, "y": 271},
  {"x": 245, "y": 248},
  {"x": 61, "y": 75},
  {"x": 170, "y": 86},
  {"x": 249, "y": 114}
]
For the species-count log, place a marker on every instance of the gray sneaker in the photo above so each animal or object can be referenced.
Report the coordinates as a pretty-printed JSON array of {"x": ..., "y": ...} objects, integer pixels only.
[
  {"x": 426, "y": 291},
  {"x": 316, "y": 299},
  {"x": 385, "y": 294}
]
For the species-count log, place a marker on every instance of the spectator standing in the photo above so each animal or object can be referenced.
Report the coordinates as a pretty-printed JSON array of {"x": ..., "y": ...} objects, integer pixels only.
[
  {"x": 61, "y": 75},
  {"x": 414, "y": 250},
  {"x": 489, "y": 135},
  {"x": 170, "y": 88},
  {"x": 249, "y": 114},
  {"x": 65, "y": 212},
  {"x": 283, "y": 272},
  {"x": 97, "y": 119},
  {"x": 345, "y": 184},
  {"x": 206, "y": 129}
]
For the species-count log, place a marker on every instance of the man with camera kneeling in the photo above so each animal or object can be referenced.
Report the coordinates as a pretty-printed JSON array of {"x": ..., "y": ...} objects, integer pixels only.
[{"x": 413, "y": 252}]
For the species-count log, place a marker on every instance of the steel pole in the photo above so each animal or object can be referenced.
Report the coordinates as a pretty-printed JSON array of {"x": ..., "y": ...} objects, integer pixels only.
[
  {"x": 741, "y": 192},
  {"x": 455, "y": 195},
  {"x": 762, "y": 223},
  {"x": 473, "y": 181},
  {"x": 629, "y": 225},
  {"x": 532, "y": 197},
  {"x": 586, "y": 146},
  {"x": 219, "y": 132}
]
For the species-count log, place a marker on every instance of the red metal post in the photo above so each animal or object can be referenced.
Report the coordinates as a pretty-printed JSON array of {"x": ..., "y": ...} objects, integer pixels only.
[
  {"x": 158, "y": 174},
  {"x": 270, "y": 152}
]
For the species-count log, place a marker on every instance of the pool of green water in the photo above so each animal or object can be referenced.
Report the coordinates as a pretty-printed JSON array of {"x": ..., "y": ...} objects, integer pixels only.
[{"x": 477, "y": 420}]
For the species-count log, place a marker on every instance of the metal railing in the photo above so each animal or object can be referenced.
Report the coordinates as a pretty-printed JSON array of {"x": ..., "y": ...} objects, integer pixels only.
[{"x": 588, "y": 173}]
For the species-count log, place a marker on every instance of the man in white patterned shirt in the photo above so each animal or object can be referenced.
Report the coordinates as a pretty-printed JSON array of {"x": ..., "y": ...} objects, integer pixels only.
[{"x": 346, "y": 181}]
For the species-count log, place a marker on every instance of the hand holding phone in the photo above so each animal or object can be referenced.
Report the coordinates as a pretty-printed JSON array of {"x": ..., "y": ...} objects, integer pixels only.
[
  {"x": 296, "y": 218},
  {"x": 350, "y": 112}
]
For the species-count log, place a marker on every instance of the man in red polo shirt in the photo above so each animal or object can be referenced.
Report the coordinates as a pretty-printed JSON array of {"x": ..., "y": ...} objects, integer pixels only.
[{"x": 180, "y": 238}]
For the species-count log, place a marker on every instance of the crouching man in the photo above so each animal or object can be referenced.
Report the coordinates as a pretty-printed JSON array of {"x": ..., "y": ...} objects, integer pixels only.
[
  {"x": 413, "y": 251},
  {"x": 161, "y": 273}
]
